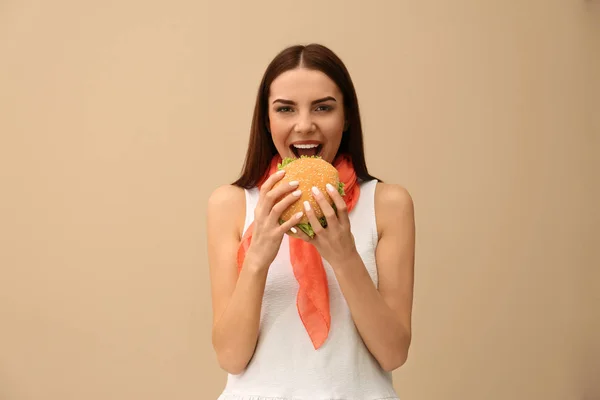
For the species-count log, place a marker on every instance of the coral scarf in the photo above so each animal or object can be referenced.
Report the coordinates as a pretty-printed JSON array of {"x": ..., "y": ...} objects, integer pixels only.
[{"x": 313, "y": 296}]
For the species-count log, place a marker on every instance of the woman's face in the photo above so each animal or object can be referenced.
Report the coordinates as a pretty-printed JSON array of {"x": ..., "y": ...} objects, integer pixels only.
[{"x": 306, "y": 114}]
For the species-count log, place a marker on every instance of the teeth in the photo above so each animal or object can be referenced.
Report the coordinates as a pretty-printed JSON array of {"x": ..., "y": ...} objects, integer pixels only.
[{"x": 306, "y": 146}]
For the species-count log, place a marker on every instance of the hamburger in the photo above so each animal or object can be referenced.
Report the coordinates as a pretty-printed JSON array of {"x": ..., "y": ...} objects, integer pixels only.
[{"x": 309, "y": 171}]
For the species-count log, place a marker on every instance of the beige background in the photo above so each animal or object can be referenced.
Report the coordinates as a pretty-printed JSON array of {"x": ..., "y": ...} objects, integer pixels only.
[{"x": 117, "y": 120}]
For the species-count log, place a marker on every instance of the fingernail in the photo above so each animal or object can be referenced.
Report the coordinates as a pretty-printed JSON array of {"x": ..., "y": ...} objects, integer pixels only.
[
  {"x": 281, "y": 172},
  {"x": 294, "y": 183},
  {"x": 294, "y": 230},
  {"x": 315, "y": 190},
  {"x": 298, "y": 215},
  {"x": 297, "y": 192},
  {"x": 329, "y": 187},
  {"x": 306, "y": 205}
]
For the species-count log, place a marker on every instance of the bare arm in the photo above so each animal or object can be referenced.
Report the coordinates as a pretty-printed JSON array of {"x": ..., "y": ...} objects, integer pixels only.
[
  {"x": 383, "y": 317},
  {"x": 236, "y": 302}
]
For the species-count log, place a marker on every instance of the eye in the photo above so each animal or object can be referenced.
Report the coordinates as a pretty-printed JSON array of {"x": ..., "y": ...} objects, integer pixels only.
[
  {"x": 283, "y": 109},
  {"x": 324, "y": 108}
]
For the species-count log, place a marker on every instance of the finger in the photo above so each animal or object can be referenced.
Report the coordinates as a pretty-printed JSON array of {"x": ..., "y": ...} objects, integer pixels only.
[
  {"x": 312, "y": 218},
  {"x": 284, "y": 203},
  {"x": 288, "y": 226},
  {"x": 271, "y": 180},
  {"x": 276, "y": 194},
  {"x": 298, "y": 233},
  {"x": 261, "y": 207},
  {"x": 340, "y": 204},
  {"x": 281, "y": 189},
  {"x": 323, "y": 202}
]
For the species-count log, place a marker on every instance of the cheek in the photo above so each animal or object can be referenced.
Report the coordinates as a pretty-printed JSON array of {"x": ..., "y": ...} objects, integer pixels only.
[
  {"x": 279, "y": 130},
  {"x": 279, "y": 133},
  {"x": 333, "y": 128},
  {"x": 279, "y": 124}
]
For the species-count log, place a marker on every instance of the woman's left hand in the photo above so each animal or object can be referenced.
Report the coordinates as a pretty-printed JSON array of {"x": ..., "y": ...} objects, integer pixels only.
[{"x": 335, "y": 242}]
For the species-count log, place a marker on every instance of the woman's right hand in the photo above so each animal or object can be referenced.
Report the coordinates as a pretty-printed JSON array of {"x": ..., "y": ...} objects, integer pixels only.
[{"x": 268, "y": 232}]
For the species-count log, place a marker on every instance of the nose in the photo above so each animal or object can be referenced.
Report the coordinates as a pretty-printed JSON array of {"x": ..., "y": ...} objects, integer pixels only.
[{"x": 304, "y": 123}]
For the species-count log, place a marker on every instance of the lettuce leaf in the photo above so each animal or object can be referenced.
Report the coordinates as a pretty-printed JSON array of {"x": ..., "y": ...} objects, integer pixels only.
[
  {"x": 284, "y": 162},
  {"x": 341, "y": 188},
  {"x": 308, "y": 229}
]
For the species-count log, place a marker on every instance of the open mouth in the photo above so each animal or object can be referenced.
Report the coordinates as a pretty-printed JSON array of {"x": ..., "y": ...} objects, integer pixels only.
[{"x": 308, "y": 150}]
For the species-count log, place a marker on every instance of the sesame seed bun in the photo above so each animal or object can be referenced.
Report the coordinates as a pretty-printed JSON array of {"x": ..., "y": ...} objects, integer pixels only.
[{"x": 309, "y": 172}]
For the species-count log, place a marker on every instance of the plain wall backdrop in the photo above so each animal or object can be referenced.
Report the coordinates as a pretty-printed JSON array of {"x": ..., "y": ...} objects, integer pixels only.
[{"x": 118, "y": 119}]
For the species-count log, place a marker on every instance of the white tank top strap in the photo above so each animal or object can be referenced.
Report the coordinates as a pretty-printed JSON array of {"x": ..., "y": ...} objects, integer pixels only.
[
  {"x": 251, "y": 201},
  {"x": 364, "y": 210}
]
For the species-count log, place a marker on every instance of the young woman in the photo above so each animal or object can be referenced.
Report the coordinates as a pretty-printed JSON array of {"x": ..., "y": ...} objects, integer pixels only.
[{"x": 294, "y": 317}]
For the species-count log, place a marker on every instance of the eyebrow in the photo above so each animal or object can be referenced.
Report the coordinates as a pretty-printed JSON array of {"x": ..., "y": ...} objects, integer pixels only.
[{"x": 284, "y": 101}]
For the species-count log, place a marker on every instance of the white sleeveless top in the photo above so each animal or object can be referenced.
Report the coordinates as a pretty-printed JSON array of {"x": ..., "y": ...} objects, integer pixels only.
[{"x": 285, "y": 365}]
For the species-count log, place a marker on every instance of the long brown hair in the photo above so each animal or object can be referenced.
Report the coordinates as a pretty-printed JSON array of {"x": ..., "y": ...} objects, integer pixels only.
[{"x": 261, "y": 148}]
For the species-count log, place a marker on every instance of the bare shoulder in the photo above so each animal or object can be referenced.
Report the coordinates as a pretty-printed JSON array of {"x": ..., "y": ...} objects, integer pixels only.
[
  {"x": 225, "y": 196},
  {"x": 393, "y": 206},
  {"x": 226, "y": 207}
]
